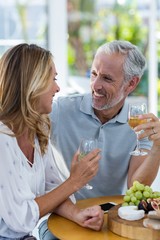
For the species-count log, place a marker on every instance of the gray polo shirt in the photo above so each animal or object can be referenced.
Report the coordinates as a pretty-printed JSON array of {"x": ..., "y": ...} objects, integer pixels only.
[{"x": 73, "y": 119}]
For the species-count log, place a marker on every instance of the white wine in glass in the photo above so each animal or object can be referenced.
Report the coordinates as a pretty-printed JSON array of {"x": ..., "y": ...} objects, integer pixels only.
[
  {"x": 86, "y": 146},
  {"x": 133, "y": 120}
]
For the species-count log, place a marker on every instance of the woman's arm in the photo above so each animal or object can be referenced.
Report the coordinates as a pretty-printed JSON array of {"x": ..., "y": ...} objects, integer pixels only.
[
  {"x": 57, "y": 200},
  {"x": 81, "y": 172},
  {"x": 91, "y": 217}
]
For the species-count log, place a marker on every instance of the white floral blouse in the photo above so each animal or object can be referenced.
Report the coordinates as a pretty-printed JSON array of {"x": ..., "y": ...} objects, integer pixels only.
[{"x": 20, "y": 184}]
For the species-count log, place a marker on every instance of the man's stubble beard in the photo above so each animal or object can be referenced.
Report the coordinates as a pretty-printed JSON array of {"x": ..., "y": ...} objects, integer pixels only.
[{"x": 112, "y": 103}]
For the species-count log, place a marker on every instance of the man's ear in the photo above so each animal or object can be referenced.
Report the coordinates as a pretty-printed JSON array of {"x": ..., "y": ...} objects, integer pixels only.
[{"x": 132, "y": 84}]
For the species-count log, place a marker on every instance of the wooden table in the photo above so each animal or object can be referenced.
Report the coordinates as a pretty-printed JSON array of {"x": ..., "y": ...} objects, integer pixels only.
[{"x": 67, "y": 230}]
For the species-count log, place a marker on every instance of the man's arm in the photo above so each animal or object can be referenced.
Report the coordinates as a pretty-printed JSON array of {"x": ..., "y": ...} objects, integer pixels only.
[{"x": 145, "y": 168}]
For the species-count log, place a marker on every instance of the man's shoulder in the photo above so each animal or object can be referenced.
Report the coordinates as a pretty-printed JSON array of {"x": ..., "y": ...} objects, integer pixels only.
[{"x": 70, "y": 99}]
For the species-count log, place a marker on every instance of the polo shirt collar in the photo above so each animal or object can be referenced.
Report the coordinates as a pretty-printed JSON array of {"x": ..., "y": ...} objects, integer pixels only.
[{"x": 86, "y": 107}]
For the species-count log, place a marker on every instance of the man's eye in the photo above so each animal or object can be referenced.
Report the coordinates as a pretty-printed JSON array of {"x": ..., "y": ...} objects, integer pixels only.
[{"x": 107, "y": 79}]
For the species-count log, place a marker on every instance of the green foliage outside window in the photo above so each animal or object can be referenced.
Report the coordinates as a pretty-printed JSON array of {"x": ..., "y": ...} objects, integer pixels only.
[{"x": 96, "y": 27}]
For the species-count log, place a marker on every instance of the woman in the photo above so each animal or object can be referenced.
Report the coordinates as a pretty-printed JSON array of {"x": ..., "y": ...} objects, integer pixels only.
[{"x": 30, "y": 185}]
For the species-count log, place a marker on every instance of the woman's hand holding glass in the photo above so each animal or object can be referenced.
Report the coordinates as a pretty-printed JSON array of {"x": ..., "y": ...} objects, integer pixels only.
[
  {"x": 86, "y": 146},
  {"x": 83, "y": 169}
]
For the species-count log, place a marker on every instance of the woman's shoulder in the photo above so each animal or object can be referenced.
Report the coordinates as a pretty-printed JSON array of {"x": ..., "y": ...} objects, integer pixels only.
[{"x": 5, "y": 133}]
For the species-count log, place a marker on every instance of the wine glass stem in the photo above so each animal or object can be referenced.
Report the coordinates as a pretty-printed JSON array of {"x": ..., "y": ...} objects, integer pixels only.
[
  {"x": 89, "y": 187},
  {"x": 137, "y": 147}
]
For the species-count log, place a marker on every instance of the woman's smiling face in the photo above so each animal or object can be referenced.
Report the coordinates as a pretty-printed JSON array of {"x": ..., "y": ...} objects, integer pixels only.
[{"x": 45, "y": 100}]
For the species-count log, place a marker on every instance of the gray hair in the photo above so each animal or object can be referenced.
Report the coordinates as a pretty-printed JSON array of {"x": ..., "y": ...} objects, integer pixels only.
[{"x": 135, "y": 62}]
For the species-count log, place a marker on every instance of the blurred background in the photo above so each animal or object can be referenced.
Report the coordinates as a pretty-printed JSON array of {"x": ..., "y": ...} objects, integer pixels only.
[{"x": 73, "y": 29}]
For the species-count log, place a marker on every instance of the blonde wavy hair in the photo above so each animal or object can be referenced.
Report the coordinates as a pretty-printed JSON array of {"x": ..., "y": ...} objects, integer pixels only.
[{"x": 24, "y": 76}]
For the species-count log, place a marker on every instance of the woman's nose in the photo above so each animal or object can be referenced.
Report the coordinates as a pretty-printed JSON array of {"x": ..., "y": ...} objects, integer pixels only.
[{"x": 58, "y": 88}]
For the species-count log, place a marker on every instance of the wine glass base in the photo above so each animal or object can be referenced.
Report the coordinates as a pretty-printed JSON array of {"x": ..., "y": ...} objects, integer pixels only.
[
  {"x": 138, "y": 153},
  {"x": 89, "y": 187}
]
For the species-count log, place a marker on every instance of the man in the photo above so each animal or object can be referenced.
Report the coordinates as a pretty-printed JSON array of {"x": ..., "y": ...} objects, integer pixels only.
[{"x": 116, "y": 71}]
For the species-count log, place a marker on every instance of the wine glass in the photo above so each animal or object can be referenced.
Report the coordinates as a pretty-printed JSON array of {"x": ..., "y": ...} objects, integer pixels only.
[
  {"x": 134, "y": 111},
  {"x": 86, "y": 146}
]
